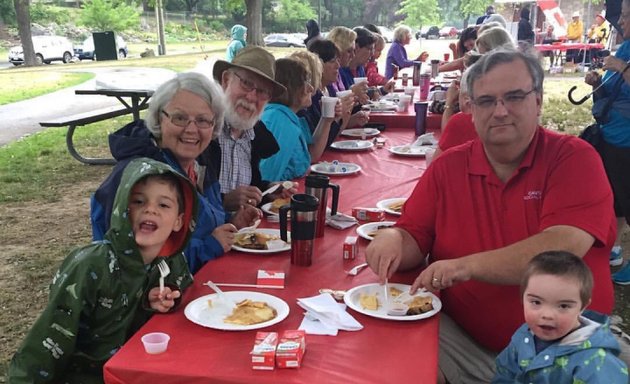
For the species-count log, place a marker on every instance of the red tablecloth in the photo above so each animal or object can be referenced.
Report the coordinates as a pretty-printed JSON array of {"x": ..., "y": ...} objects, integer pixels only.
[{"x": 383, "y": 352}]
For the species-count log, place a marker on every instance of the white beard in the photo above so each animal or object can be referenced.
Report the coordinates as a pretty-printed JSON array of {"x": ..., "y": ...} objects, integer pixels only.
[{"x": 237, "y": 121}]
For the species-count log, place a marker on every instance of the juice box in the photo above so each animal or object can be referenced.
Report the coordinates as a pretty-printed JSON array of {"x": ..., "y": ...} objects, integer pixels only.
[
  {"x": 291, "y": 349},
  {"x": 271, "y": 278},
  {"x": 350, "y": 248},
  {"x": 368, "y": 214},
  {"x": 264, "y": 351}
]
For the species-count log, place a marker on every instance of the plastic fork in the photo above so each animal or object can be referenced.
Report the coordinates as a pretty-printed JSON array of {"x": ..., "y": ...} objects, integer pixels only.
[
  {"x": 222, "y": 301},
  {"x": 356, "y": 269},
  {"x": 164, "y": 271},
  {"x": 251, "y": 228}
]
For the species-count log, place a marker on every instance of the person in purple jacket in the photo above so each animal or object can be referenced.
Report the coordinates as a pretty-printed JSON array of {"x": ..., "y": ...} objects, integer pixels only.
[{"x": 397, "y": 54}]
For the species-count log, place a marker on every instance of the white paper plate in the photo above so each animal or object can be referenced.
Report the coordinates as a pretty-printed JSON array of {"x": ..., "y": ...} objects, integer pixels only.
[
  {"x": 360, "y": 132},
  {"x": 381, "y": 106},
  {"x": 267, "y": 209},
  {"x": 365, "y": 229},
  {"x": 408, "y": 150},
  {"x": 351, "y": 298},
  {"x": 199, "y": 312},
  {"x": 339, "y": 169},
  {"x": 384, "y": 205},
  {"x": 352, "y": 145},
  {"x": 266, "y": 231}
]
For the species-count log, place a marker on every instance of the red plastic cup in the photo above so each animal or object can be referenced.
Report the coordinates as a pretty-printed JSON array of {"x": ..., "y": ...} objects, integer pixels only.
[{"x": 447, "y": 56}]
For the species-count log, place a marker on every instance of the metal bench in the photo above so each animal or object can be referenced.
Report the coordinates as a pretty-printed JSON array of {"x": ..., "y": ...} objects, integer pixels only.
[{"x": 85, "y": 118}]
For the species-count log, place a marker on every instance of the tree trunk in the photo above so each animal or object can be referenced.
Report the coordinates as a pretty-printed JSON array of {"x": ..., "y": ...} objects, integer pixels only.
[
  {"x": 23, "y": 16},
  {"x": 253, "y": 22}
]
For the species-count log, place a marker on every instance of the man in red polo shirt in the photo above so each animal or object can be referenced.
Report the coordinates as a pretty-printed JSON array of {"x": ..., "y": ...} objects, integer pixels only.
[{"x": 482, "y": 210}]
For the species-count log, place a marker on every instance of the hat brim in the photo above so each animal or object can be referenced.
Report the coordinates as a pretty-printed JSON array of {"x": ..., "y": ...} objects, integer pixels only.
[{"x": 221, "y": 65}]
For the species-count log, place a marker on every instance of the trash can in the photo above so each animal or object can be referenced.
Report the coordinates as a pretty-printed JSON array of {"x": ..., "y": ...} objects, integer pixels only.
[{"x": 105, "y": 46}]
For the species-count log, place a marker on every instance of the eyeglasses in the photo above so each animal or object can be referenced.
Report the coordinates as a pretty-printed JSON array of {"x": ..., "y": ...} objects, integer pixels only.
[
  {"x": 249, "y": 86},
  {"x": 509, "y": 100},
  {"x": 182, "y": 120}
]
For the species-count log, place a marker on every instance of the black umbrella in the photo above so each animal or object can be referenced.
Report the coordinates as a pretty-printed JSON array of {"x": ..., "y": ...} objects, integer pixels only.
[{"x": 613, "y": 11}]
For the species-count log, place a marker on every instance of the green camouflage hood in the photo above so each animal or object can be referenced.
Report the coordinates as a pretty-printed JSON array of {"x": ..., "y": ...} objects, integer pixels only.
[{"x": 120, "y": 233}]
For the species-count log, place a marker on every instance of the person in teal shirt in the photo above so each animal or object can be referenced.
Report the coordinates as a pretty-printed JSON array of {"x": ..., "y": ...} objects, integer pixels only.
[
  {"x": 298, "y": 147},
  {"x": 237, "y": 43}
]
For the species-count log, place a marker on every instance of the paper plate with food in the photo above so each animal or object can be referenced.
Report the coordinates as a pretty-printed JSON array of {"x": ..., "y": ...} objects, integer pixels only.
[
  {"x": 381, "y": 105},
  {"x": 335, "y": 168},
  {"x": 392, "y": 206},
  {"x": 273, "y": 207},
  {"x": 262, "y": 240},
  {"x": 361, "y": 132},
  {"x": 410, "y": 150},
  {"x": 252, "y": 310},
  {"x": 369, "y": 300},
  {"x": 369, "y": 230},
  {"x": 352, "y": 145}
]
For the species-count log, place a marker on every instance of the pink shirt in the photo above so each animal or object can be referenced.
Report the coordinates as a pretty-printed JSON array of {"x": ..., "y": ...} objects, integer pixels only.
[{"x": 561, "y": 181}]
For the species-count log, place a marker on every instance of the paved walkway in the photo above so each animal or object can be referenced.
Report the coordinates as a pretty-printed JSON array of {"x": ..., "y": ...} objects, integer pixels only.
[{"x": 22, "y": 118}]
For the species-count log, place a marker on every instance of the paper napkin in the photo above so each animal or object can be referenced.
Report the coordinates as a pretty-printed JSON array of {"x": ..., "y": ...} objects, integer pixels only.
[
  {"x": 426, "y": 139},
  {"x": 324, "y": 316},
  {"x": 340, "y": 220}
]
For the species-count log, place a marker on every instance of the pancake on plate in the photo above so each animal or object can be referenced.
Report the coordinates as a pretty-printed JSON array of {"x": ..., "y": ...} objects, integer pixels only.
[
  {"x": 249, "y": 312},
  {"x": 254, "y": 240},
  {"x": 368, "y": 302},
  {"x": 419, "y": 305},
  {"x": 397, "y": 206},
  {"x": 277, "y": 203}
]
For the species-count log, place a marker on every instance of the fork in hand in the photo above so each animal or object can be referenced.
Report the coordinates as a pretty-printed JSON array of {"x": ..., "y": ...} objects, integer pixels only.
[{"x": 164, "y": 271}]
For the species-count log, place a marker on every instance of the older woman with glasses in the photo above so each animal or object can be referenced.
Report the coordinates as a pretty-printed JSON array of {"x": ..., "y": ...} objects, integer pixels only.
[
  {"x": 180, "y": 123},
  {"x": 298, "y": 147}
]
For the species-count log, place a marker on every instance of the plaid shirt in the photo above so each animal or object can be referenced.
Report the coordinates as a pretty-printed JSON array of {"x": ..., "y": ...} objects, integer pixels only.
[{"x": 236, "y": 159}]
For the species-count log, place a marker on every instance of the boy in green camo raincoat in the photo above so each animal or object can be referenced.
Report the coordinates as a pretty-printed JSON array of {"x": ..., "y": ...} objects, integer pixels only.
[{"x": 105, "y": 291}]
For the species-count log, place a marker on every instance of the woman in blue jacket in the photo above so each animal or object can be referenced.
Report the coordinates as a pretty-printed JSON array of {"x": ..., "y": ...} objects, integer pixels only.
[{"x": 180, "y": 123}]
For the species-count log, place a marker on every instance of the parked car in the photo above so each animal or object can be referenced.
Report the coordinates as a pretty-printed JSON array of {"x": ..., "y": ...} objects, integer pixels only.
[
  {"x": 85, "y": 51},
  {"x": 387, "y": 33},
  {"x": 47, "y": 49},
  {"x": 283, "y": 40},
  {"x": 428, "y": 32},
  {"x": 448, "y": 32}
]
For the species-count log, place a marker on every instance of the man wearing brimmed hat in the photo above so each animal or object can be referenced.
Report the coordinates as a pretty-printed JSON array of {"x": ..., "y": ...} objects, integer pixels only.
[
  {"x": 248, "y": 83},
  {"x": 575, "y": 29},
  {"x": 598, "y": 33}
]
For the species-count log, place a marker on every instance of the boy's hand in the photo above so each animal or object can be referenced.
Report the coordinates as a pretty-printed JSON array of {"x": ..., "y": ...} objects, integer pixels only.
[
  {"x": 225, "y": 235},
  {"x": 165, "y": 301}
]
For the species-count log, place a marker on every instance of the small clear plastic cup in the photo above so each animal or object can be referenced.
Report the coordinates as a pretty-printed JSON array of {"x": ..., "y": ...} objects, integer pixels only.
[{"x": 155, "y": 342}]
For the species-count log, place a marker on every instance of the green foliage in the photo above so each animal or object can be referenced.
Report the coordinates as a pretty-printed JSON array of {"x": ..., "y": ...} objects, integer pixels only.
[
  {"x": 7, "y": 12},
  {"x": 420, "y": 12},
  {"x": 236, "y": 8},
  {"x": 291, "y": 15},
  {"x": 109, "y": 15},
  {"x": 44, "y": 14},
  {"x": 474, "y": 7}
]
